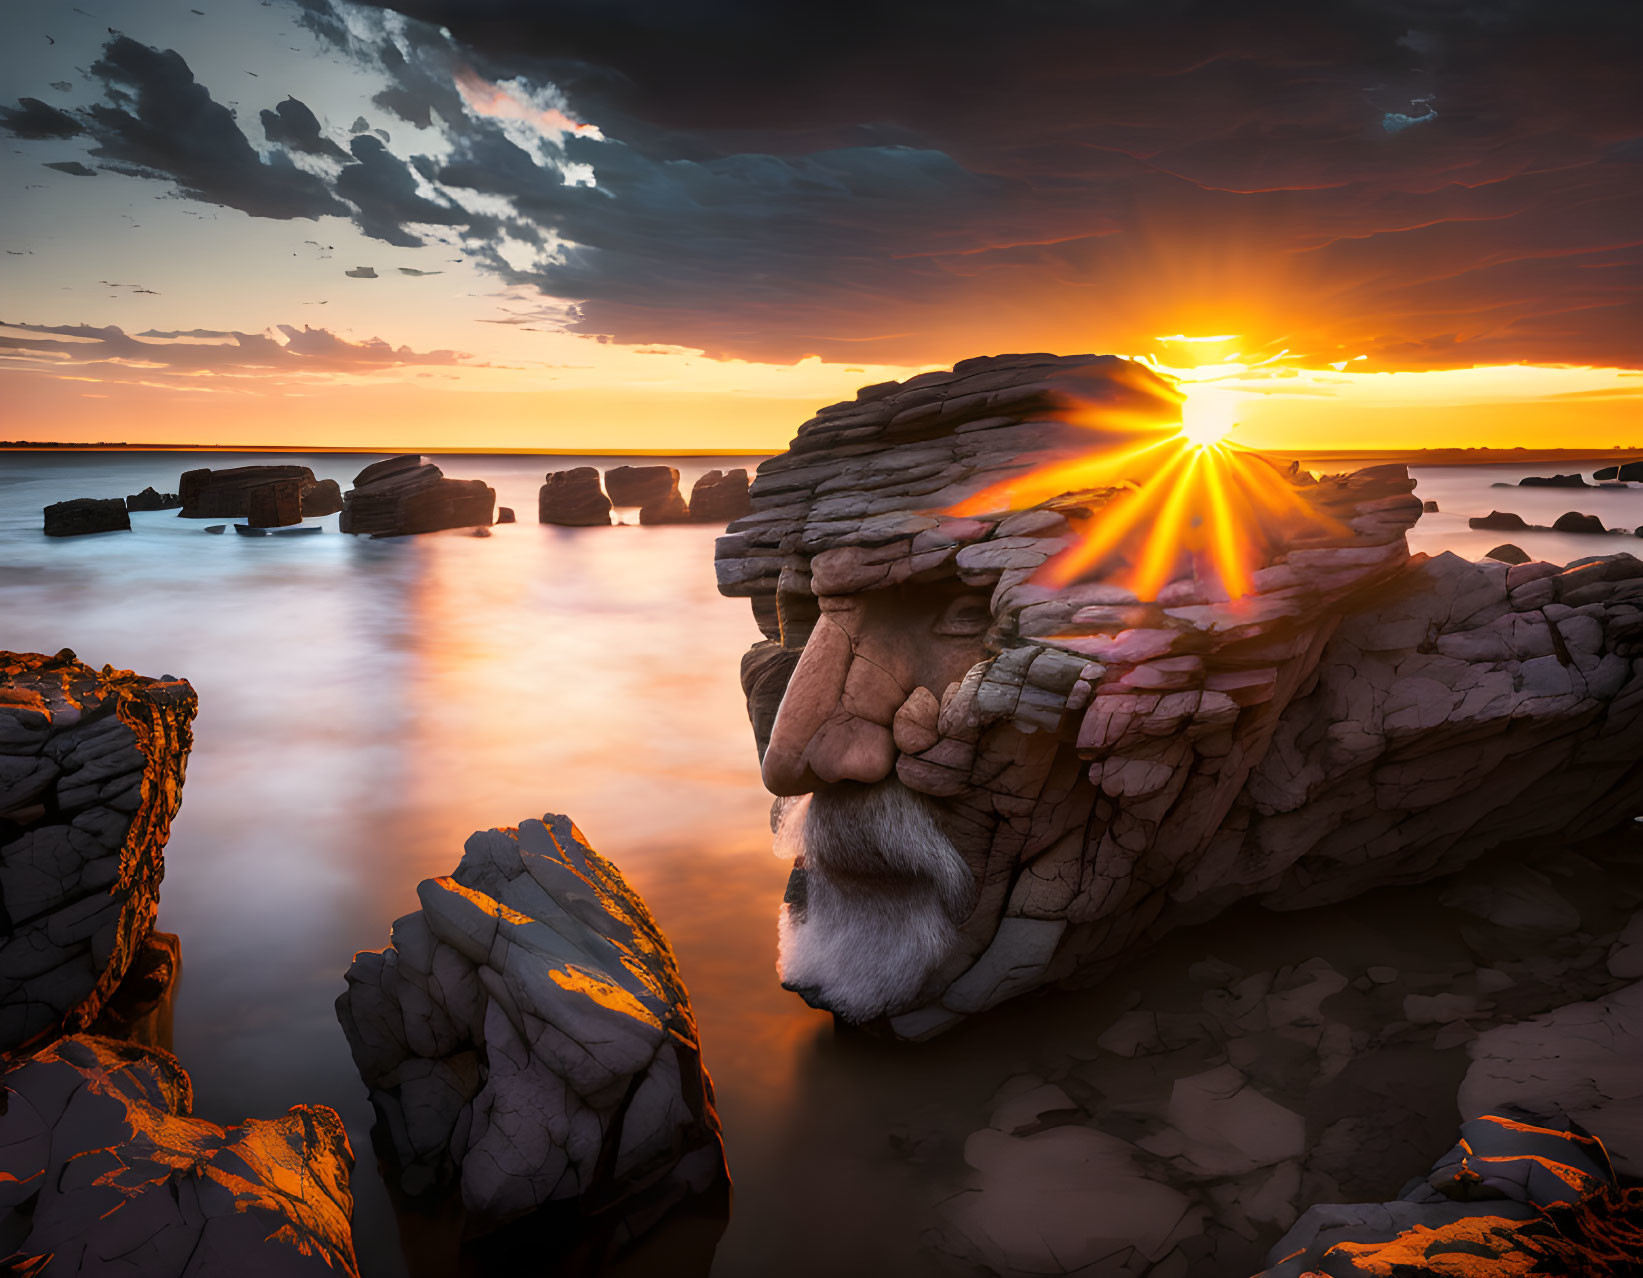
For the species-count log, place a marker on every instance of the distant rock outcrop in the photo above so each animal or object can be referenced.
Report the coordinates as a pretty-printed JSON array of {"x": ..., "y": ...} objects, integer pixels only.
[
  {"x": 1575, "y": 522},
  {"x": 409, "y": 494},
  {"x": 720, "y": 496},
  {"x": 83, "y": 515},
  {"x": 1499, "y": 521},
  {"x": 103, "y": 1172},
  {"x": 1508, "y": 554},
  {"x": 668, "y": 509},
  {"x": 91, "y": 772},
  {"x": 528, "y": 1036},
  {"x": 1429, "y": 507},
  {"x": 226, "y": 494},
  {"x": 640, "y": 485},
  {"x": 1632, "y": 470},
  {"x": 149, "y": 499},
  {"x": 573, "y": 498},
  {"x": 1553, "y": 481}
]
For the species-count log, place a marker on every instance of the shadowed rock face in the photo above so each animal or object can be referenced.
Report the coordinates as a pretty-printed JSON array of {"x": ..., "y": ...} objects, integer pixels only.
[
  {"x": 82, "y": 515},
  {"x": 103, "y": 1171},
  {"x": 91, "y": 773},
  {"x": 641, "y": 485},
  {"x": 719, "y": 496},
  {"x": 150, "y": 499},
  {"x": 410, "y": 494},
  {"x": 573, "y": 498},
  {"x": 226, "y": 494},
  {"x": 1518, "y": 1195},
  {"x": 1098, "y": 767},
  {"x": 527, "y": 1035}
]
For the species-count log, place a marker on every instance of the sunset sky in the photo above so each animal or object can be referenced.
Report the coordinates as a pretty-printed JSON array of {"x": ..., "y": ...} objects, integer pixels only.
[{"x": 636, "y": 224}]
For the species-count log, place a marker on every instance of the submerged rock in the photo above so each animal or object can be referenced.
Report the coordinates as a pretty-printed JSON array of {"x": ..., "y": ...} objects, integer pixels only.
[
  {"x": 573, "y": 498},
  {"x": 220, "y": 494},
  {"x": 1429, "y": 507},
  {"x": 82, "y": 515},
  {"x": 720, "y": 496},
  {"x": 91, "y": 773},
  {"x": 528, "y": 1037},
  {"x": 409, "y": 494},
  {"x": 1575, "y": 522},
  {"x": 1500, "y": 521},
  {"x": 640, "y": 485},
  {"x": 103, "y": 1172},
  {"x": 149, "y": 499}
]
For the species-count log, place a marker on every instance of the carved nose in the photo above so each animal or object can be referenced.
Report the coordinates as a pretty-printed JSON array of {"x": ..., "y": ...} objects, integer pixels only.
[{"x": 828, "y": 729}]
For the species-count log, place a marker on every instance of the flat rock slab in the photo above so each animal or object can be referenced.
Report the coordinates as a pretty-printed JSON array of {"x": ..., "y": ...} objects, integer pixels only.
[
  {"x": 527, "y": 1036},
  {"x": 82, "y": 515},
  {"x": 103, "y": 1172}
]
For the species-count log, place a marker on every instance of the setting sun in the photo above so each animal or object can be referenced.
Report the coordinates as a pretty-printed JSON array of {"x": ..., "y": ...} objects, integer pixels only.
[{"x": 1207, "y": 417}]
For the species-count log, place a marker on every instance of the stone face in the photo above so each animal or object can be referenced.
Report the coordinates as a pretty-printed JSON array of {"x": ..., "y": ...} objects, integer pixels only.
[
  {"x": 148, "y": 499},
  {"x": 277, "y": 504},
  {"x": 1522, "y": 1193},
  {"x": 640, "y": 485},
  {"x": 410, "y": 494},
  {"x": 91, "y": 773},
  {"x": 1107, "y": 767},
  {"x": 528, "y": 1037},
  {"x": 573, "y": 498},
  {"x": 83, "y": 515},
  {"x": 226, "y": 494},
  {"x": 720, "y": 496},
  {"x": 104, "y": 1172}
]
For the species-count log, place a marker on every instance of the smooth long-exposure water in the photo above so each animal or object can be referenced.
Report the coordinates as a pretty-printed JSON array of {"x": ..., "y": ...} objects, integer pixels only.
[{"x": 365, "y": 705}]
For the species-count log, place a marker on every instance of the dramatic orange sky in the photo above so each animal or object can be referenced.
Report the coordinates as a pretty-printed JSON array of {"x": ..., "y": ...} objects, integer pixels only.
[{"x": 1390, "y": 225}]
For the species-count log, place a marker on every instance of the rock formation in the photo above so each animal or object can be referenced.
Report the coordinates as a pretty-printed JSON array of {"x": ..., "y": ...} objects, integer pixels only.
[
  {"x": 1429, "y": 507},
  {"x": 226, "y": 494},
  {"x": 1499, "y": 521},
  {"x": 1553, "y": 481},
  {"x": 1507, "y": 553},
  {"x": 1528, "y": 1195},
  {"x": 640, "y": 485},
  {"x": 1632, "y": 471},
  {"x": 1099, "y": 767},
  {"x": 668, "y": 509},
  {"x": 527, "y": 1036},
  {"x": 81, "y": 515},
  {"x": 719, "y": 496},
  {"x": 1575, "y": 522},
  {"x": 1571, "y": 522},
  {"x": 149, "y": 499},
  {"x": 410, "y": 494},
  {"x": 505, "y": 515},
  {"x": 573, "y": 498},
  {"x": 104, "y": 1172},
  {"x": 91, "y": 772},
  {"x": 277, "y": 504}
]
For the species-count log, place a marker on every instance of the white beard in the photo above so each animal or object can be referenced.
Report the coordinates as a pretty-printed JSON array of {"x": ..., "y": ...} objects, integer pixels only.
[{"x": 881, "y": 889}]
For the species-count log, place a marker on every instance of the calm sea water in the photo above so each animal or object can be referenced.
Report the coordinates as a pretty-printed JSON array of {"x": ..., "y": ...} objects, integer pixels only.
[{"x": 365, "y": 705}]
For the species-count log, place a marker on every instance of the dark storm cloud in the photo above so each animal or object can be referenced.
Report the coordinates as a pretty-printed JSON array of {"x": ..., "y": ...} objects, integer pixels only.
[
  {"x": 912, "y": 180},
  {"x": 163, "y": 123},
  {"x": 292, "y": 125},
  {"x": 115, "y": 354},
  {"x": 32, "y": 118},
  {"x": 381, "y": 186}
]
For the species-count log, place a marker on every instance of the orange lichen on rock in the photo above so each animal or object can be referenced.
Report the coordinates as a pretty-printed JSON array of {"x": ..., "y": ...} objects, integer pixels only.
[{"x": 91, "y": 775}]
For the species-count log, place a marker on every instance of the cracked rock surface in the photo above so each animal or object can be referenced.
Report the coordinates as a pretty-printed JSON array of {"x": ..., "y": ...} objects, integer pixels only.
[
  {"x": 528, "y": 1037},
  {"x": 91, "y": 774},
  {"x": 104, "y": 1172}
]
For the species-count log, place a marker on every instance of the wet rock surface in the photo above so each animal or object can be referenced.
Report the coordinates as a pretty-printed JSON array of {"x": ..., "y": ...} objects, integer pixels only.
[
  {"x": 91, "y": 772},
  {"x": 527, "y": 1038},
  {"x": 226, "y": 494},
  {"x": 573, "y": 498},
  {"x": 81, "y": 515},
  {"x": 149, "y": 499},
  {"x": 104, "y": 1172},
  {"x": 409, "y": 494}
]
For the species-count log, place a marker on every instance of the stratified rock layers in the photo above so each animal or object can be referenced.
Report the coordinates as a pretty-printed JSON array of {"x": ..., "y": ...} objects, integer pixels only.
[
  {"x": 91, "y": 773},
  {"x": 411, "y": 495},
  {"x": 527, "y": 1033},
  {"x": 103, "y": 1172}
]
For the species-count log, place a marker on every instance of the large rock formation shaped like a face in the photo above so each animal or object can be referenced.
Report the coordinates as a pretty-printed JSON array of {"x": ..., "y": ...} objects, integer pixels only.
[
  {"x": 527, "y": 1034},
  {"x": 993, "y": 783},
  {"x": 103, "y": 1172},
  {"x": 410, "y": 494},
  {"x": 91, "y": 773},
  {"x": 573, "y": 499},
  {"x": 1519, "y": 1194}
]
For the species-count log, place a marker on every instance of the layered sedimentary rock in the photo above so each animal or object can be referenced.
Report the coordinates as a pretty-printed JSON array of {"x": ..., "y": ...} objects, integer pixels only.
[
  {"x": 640, "y": 485},
  {"x": 226, "y": 494},
  {"x": 1107, "y": 766},
  {"x": 719, "y": 496},
  {"x": 277, "y": 504},
  {"x": 149, "y": 499},
  {"x": 527, "y": 1036},
  {"x": 410, "y": 494},
  {"x": 91, "y": 773},
  {"x": 104, "y": 1172},
  {"x": 82, "y": 515},
  {"x": 1519, "y": 1194},
  {"x": 573, "y": 498}
]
